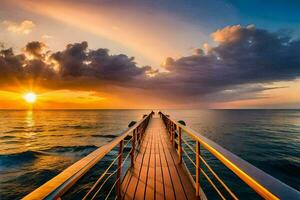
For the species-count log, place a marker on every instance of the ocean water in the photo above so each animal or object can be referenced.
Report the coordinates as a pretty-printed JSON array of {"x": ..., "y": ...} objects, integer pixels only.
[
  {"x": 268, "y": 139},
  {"x": 37, "y": 145}
]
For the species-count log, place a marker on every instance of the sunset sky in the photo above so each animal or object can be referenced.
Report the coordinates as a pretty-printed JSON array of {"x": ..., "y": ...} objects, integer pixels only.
[{"x": 150, "y": 54}]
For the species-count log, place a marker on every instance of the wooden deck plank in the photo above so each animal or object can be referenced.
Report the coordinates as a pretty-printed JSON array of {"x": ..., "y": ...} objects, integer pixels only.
[
  {"x": 150, "y": 183},
  {"x": 159, "y": 182},
  {"x": 129, "y": 189},
  {"x": 156, "y": 174},
  {"x": 141, "y": 186},
  {"x": 182, "y": 176},
  {"x": 180, "y": 193},
  {"x": 169, "y": 189}
]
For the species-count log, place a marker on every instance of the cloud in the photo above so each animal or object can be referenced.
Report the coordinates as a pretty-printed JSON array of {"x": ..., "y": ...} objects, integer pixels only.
[
  {"x": 74, "y": 67},
  {"x": 24, "y": 27},
  {"x": 242, "y": 56},
  {"x": 35, "y": 49},
  {"x": 230, "y": 33},
  {"x": 46, "y": 36},
  {"x": 78, "y": 61},
  {"x": 243, "y": 64}
]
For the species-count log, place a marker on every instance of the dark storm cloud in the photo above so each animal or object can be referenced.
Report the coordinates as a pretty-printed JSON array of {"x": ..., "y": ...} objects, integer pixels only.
[
  {"x": 35, "y": 49},
  {"x": 242, "y": 62},
  {"x": 71, "y": 60},
  {"x": 11, "y": 65},
  {"x": 76, "y": 60},
  {"x": 244, "y": 55},
  {"x": 75, "y": 63},
  {"x": 116, "y": 67},
  {"x": 18, "y": 67}
]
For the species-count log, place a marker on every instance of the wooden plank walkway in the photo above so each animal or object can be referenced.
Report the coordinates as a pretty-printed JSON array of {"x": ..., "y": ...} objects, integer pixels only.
[{"x": 156, "y": 173}]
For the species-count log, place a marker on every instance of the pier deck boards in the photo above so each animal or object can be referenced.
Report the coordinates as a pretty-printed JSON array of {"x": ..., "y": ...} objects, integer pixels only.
[{"x": 156, "y": 173}]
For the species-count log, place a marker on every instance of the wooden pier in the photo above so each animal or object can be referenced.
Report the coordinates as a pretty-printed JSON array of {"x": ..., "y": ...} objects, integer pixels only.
[
  {"x": 155, "y": 168},
  {"x": 157, "y": 172}
]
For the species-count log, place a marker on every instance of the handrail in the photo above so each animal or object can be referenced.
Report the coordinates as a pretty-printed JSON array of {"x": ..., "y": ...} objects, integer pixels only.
[
  {"x": 209, "y": 168},
  {"x": 105, "y": 172},
  {"x": 265, "y": 185},
  {"x": 58, "y": 185}
]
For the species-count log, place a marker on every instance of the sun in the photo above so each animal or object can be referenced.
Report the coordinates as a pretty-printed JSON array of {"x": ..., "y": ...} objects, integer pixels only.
[{"x": 30, "y": 97}]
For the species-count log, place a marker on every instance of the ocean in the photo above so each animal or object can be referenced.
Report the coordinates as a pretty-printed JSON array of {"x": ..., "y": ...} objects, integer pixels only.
[{"x": 37, "y": 145}]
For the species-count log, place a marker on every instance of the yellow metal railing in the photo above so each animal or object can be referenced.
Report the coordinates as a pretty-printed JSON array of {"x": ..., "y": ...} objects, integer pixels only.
[
  {"x": 66, "y": 180},
  {"x": 263, "y": 184}
]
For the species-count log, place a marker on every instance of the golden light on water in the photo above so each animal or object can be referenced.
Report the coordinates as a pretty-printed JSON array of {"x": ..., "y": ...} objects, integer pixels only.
[{"x": 30, "y": 97}]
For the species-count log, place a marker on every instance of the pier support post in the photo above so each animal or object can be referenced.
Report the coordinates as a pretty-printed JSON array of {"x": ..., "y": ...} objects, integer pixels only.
[
  {"x": 119, "y": 171},
  {"x": 174, "y": 134},
  {"x": 170, "y": 130},
  {"x": 179, "y": 145},
  {"x": 198, "y": 168},
  {"x": 138, "y": 135},
  {"x": 133, "y": 148}
]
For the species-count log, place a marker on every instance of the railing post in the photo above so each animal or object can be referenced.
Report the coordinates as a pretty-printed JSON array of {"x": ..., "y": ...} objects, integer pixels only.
[
  {"x": 138, "y": 135},
  {"x": 198, "y": 168},
  {"x": 119, "y": 171},
  {"x": 173, "y": 133},
  {"x": 142, "y": 131},
  {"x": 133, "y": 148},
  {"x": 179, "y": 144}
]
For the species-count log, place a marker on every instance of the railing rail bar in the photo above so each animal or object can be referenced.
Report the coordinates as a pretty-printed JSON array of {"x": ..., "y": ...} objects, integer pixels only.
[
  {"x": 107, "y": 178},
  {"x": 111, "y": 189},
  {"x": 213, "y": 172},
  {"x": 219, "y": 179},
  {"x": 127, "y": 143},
  {"x": 113, "y": 173},
  {"x": 101, "y": 177},
  {"x": 105, "y": 172},
  {"x": 188, "y": 145},
  {"x": 185, "y": 168},
  {"x": 212, "y": 184},
  {"x": 189, "y": 157}
]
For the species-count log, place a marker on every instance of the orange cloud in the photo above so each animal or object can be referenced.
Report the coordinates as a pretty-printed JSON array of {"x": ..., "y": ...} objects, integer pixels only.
[
  {"x": 229, "y": 33},
  {"x": 24, "y": 27}
]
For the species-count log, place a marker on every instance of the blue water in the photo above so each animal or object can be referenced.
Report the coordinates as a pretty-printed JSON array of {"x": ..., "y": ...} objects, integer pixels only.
[{"x": 35, "y": 146}]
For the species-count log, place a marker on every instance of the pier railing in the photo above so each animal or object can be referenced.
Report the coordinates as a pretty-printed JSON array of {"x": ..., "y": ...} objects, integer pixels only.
[
  {"x": 263, "y": 184},
  {"x": 67, "y": 180}
]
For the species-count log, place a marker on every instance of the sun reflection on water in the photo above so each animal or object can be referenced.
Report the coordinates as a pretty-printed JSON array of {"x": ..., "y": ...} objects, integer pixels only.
[
  {"x": 30, "y": 134},
  {"x": 30, "y": 118}
]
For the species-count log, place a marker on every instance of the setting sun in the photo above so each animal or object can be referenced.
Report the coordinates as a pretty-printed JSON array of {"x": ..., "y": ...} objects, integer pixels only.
[{"x": 30, "y": 97}]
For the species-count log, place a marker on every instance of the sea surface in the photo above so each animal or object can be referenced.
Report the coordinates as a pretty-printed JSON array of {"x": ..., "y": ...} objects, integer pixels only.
[{"x": 37, "y": 145}]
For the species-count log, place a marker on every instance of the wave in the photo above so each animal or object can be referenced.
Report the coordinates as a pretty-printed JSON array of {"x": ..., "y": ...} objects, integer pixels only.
[
  {"x": 19, "y": 127},
  {"x": 66, "y": 149},
  {"x": 111, "y": 136},
  {"x": 26, "y": 131},
  {"x": 7, "y": 137},
  {"x": 80, "y": 126},
  {"x": 104, "y": 136},
  {"x": 288, "y": 166},
  {"x": 15, "y": 131},
  {"x": 16, "y": 159},
  {"x": 77, "y": 127},
  {"x": 12, "y": 142}
]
